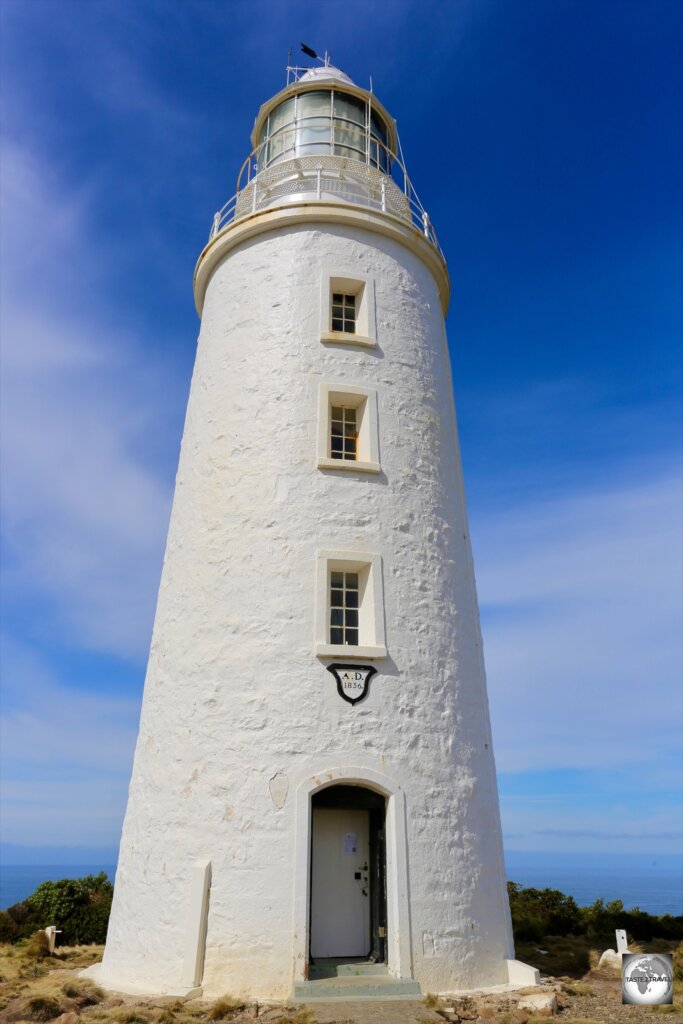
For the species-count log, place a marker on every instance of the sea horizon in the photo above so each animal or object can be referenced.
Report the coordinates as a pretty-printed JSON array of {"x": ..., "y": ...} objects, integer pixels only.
[{"x": 651, "y": 882}]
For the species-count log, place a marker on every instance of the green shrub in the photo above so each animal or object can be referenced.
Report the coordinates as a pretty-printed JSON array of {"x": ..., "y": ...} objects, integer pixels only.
[
  {"x": 602, "y": 919},
  {"x": 79, "y": 907},
  {"x": 539, "y": 912},
  {"x": 18, "y": 922}
]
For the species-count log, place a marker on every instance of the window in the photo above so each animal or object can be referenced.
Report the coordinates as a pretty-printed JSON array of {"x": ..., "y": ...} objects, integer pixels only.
[
  {"x": 344, "y": 608},
  {"x": 344, "y": 433},
  {"x": 348, "y": 311},
  {"x": 349, "y": 605},
  {"x": 347, "y": 428},
  {"x": 343, "y": 312}
]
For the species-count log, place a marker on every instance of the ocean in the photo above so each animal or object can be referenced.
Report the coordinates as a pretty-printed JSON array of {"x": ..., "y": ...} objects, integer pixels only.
[
  {"x": 17, "y": 881},
  {"x": 653, "y": 883}
]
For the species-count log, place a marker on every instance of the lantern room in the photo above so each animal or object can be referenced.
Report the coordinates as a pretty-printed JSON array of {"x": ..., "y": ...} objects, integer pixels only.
[{"x": 324, "y": 114}]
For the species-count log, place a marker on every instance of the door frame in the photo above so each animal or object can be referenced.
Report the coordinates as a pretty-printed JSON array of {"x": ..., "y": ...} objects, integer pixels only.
[{"x": 399, "y": 946}]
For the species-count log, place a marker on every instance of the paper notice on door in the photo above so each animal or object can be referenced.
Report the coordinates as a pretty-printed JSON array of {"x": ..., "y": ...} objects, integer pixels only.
[{"x": 350, "y": 842}]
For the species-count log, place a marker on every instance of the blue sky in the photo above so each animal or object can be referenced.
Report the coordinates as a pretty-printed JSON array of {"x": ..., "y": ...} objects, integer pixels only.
[{"x": 543, "y": 140}]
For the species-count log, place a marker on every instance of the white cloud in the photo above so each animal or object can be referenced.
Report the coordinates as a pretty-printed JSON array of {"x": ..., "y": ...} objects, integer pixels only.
[
  {"x": 66, "y": 754},
  {"x": 581, "y": 602},
  {"x": 84, "y": 514},
  {"x": 51, "y": 730}
]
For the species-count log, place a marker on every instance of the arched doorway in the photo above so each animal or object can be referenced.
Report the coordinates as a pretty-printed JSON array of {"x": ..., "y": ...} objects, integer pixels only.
[{"x": 348, "y": 898}]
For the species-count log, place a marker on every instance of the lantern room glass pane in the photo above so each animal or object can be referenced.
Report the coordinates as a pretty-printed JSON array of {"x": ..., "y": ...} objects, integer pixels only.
[
  {"x": 282, "y": 114},
  {"x": 314, "y": 104},
  {"x": 350, "y": 108}
]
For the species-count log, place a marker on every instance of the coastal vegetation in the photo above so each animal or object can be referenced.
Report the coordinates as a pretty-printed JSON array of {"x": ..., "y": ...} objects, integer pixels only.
[
  {"x": 78, "y": 907},
  {"x": 560, "y": 938}
]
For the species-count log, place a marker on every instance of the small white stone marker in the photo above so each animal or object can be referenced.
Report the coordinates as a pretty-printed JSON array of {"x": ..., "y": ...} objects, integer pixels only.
[
  {"x": 622, "y": 943},
  {"x": 52, "y": 932}
]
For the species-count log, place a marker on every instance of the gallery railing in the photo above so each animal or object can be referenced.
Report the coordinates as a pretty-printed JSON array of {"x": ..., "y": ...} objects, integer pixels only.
[{"x": 328, "y": 175}]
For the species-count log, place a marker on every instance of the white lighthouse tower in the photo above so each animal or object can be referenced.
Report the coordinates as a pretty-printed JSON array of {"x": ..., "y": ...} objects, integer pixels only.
[{"x": 314, "y": 791}]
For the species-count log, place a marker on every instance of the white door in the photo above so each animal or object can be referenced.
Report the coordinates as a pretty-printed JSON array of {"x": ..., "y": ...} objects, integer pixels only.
[{"x": 340, "y": 879}]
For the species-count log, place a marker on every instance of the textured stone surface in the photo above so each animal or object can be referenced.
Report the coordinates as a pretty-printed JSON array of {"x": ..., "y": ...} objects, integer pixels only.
[
  {"x": 540, "y": 1002},
  {"x": 237, "y": 710}
]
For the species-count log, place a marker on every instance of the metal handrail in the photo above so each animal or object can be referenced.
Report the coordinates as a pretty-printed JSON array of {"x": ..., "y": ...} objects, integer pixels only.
[{"x": 248, "y": 199}]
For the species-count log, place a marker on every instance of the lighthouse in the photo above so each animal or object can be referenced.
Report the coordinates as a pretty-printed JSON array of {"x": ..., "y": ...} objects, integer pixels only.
[{"x": 313, "y": 796}]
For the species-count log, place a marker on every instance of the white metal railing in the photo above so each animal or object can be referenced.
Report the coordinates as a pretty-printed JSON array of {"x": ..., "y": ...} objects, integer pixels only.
[{"x": 328, "y": 176}]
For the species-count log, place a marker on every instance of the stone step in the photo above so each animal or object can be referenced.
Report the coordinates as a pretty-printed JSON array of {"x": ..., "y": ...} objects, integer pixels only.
[
  {"x": 355, "y": 970},
  {"x": 364, "y": 986}
]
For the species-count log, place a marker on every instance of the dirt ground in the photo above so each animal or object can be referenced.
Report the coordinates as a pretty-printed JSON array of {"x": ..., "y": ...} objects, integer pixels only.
[{"x": 49, "y": 991}]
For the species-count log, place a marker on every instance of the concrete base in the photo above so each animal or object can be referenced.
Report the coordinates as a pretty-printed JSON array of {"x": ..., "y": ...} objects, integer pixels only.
[
  {"x": 96, "y": 974},
  {"x": 521, "y": 975}
]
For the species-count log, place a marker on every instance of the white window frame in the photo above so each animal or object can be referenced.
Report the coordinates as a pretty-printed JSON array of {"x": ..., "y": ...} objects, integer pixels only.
[
  {"x": 363, "y": 287},
  {"x": 364, "y": 401},
  {"x": 371, "y": 635}
]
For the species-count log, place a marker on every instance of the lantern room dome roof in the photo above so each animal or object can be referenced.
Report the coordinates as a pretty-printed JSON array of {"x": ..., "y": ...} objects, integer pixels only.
[{"x": 327, "y": 71}]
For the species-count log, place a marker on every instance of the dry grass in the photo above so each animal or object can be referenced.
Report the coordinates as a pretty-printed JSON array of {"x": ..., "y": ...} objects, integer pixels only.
[
  {"x": 224, "y": 1008},
  {"x": 83, "y": 992},
  {"x": 42, "y": 1008},
  {"x": 578, "y": 988},
  {"x": 302, "y": 1016}
]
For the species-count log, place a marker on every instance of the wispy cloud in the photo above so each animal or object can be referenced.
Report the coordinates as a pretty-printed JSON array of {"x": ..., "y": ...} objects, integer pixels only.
[
  {"x": 84, "y": 515},
  {"x": 581, "y": 599}
]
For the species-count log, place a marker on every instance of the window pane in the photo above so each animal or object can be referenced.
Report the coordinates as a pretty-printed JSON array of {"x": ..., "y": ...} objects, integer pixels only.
[
  {"x": 349, "y": 107},
  {"x": 350, "y": 445},
  {"x": 312, "y": 104},
  {"x": 337, "y": 599},
  {"x": 337, "y": 579},
  {"x": 337, "y": 412},
  {"x": 349, "y": 327},
  {"x": 336, "y": 636},
  {"x": 350, "y": 300},
  {"x": 352, "y": 580},
  {"x": 352, "y": 619},
  {"x": 351, "y": 598},
  {"x": 337, "y": 298},
  {"x": 283, "y": 114},
  {"x": 337, "y": 325},
  {"x": 351, "y": 637},
  {"x": 337, "y": 617},
  {"x": 350, "y": 420}
]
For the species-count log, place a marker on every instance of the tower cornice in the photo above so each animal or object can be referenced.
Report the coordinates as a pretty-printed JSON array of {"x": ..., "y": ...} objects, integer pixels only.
[{"x": 297, "y": 214}]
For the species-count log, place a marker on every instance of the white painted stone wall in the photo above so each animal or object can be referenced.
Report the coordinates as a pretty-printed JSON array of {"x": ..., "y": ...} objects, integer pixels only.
[{"x": 238, "y": 713}]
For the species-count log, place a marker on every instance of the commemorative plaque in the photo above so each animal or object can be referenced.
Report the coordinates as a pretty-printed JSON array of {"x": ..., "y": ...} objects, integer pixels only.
[{"x": 352, "y": 680}]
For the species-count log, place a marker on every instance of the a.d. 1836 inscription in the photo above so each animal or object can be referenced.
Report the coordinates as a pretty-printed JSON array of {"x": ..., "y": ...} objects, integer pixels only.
[{"x": 352, "y": 680}]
